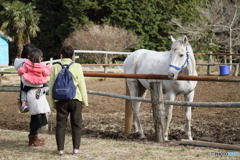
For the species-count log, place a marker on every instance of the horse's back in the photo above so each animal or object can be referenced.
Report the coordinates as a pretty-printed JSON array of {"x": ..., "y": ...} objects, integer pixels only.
[
  {"x": 152, "y": 62},
  {"x": 142, "y": 61}
]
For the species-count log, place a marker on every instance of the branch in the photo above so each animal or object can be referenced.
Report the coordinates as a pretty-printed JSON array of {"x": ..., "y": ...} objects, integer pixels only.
[
  {"x": 184, "y": 29},
  {"x": 236, "y": 28},
  {"x": 220, "y": 25},
  {"x": 234, "y": 17}
]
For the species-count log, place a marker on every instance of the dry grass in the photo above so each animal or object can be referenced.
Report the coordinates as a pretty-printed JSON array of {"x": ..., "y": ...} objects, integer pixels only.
[{"x": 14, "y": 146}]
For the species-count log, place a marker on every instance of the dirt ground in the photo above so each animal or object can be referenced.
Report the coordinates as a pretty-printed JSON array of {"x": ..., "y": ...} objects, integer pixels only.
[{"x": 104, "y": 118}]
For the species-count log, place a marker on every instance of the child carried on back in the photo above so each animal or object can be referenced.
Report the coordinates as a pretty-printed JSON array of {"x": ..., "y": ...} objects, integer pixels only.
[{"x": 34, "y": 75}]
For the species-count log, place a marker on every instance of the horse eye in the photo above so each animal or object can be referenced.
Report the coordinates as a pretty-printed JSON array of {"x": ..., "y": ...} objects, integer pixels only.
[{"x": 181, "y": 55}]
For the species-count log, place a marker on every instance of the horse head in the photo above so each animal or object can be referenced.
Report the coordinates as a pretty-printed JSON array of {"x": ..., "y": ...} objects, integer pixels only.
[{"x": 178, "y": 57}]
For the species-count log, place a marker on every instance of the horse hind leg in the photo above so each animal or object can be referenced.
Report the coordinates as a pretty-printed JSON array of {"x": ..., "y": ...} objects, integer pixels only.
[
  {"x": 137, "y": 90},
  {"x": 128, "y": 112},
  {"x": 141, "y": 93},
  {"x": 131, "y": 90}
]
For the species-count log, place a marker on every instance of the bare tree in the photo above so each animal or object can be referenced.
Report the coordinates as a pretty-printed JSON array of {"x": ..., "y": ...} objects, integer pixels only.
[
  {"x": 102, "y": 38},
  {"x": 221, "y": 27},
  {"x": 224, "y": 16},
  {"x": 198, "y": 32}
]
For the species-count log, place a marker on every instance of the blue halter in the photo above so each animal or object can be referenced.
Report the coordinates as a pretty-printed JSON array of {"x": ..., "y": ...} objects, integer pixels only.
[{"x": 186, "y": 62}]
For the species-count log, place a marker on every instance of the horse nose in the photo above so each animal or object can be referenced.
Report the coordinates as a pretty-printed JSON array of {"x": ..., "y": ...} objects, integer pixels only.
[{"x": 171, "y": 75}]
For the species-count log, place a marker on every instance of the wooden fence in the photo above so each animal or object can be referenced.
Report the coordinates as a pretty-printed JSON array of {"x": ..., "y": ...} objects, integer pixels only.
[
  {"x": 210, "y": 59},
  {"x": 156, "y": 99}
]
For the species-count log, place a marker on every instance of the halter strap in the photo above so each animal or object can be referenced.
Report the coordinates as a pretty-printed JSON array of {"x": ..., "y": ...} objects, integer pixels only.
[{"x": 186, "y": 62}]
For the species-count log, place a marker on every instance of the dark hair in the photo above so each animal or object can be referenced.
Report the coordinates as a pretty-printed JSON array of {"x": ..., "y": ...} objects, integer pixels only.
[
  {"x": 66, "y": 52},
  {"x": 26, "y": 50},
  {"x": 35, "y": 55}
]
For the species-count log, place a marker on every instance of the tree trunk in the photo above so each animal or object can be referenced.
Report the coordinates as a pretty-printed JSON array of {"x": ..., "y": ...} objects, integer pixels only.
[{"x": 19, "y": 51}]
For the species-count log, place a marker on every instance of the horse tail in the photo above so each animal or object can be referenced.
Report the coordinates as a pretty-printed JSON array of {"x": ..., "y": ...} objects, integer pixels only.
[{"x": 128, "y": 111}]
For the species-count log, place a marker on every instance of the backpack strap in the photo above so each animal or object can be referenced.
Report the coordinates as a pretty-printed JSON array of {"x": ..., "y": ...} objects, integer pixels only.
[
  {"x": 59, "y": 64},
  {"x": 67, "y": 65}
]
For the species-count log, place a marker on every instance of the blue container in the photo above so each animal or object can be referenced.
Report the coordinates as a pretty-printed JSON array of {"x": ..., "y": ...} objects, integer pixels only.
[
  {"x": 3, "y": 52},
  {"x": 224, "y": 70}
]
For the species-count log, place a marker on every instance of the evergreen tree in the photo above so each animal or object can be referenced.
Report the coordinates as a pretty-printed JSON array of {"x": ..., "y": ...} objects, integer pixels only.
[
  {"x": 147, "y": 18},
  {"x": 20, "y": 21},
  {"x": 60, "y": 18}
]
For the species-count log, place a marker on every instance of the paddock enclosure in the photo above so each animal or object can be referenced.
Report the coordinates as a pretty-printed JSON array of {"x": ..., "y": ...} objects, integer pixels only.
[{"x": 104, "y": 118}]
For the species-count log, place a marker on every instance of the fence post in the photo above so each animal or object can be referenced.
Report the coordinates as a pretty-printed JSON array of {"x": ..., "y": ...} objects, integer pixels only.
[
  {"x": 158, "y": 110},
  {"x": 51, "y": 59},
  {"x": 209, "y": 62},
  {"x": 105, "y": 71},
  {"x": 236, "y": 70}
]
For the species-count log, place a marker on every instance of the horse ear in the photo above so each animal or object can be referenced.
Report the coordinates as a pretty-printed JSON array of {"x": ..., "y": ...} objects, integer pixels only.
[
  {"x": 172, "y": 39},
  {"x": 185, "y": 39}
]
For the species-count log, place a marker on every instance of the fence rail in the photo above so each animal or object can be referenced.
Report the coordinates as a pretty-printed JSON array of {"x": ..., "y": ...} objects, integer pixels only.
[
  {"x": 50, "y": 61},
  {"x": 16, "y": 88},
  {"x": 167, "y": 102},
  {"x": 222, "y": 54},
  {"x": 154, "y": 76},
  {"x": 104, "y": 52},
  {"x": 164, "y": 77}
]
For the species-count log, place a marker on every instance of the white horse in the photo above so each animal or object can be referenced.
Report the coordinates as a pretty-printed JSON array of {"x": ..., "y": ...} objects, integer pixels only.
[{"x": 178, "y": 61}]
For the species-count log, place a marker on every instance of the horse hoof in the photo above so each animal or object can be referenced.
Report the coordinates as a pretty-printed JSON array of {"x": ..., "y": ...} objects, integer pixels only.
[
  {"x": 166, "y": 139},
  {"x": 135, "y": 135},
  {"x": 143, "y": 140}
]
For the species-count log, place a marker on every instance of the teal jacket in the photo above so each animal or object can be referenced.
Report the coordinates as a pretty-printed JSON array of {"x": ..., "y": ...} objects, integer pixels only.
[{"x": 78, "y": 77}]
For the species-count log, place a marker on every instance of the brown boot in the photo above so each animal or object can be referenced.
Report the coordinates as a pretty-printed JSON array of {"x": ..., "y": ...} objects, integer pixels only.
[
  {"x": 34, "y": 141},
  {"x": 41, "y": 140}
]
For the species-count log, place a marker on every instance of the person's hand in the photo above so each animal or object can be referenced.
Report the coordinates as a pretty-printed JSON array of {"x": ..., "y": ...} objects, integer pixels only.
[
  {"x": 83, "y": 106},
  {"x": 55, "y": 108}
]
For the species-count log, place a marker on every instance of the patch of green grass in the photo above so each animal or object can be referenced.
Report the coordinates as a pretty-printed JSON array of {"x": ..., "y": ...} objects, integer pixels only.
[
  {"x": 119, "y": 62},
  {"x": 182, "y": 149},
  {"x": 9, "y": 70}
]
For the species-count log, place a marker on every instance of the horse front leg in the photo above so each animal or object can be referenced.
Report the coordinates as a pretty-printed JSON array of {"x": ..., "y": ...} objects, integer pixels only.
[
  {"x": 188, "y": 110},
  {"x": 168, "y": 116}
]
